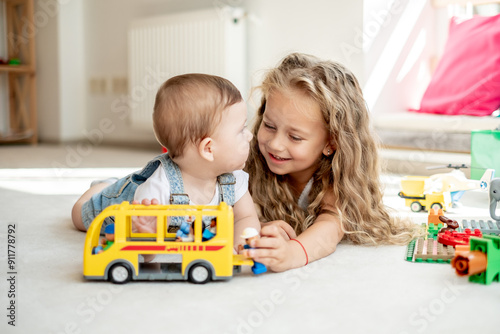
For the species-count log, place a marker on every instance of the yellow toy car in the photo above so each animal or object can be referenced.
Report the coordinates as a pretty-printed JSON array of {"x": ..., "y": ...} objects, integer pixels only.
[
  {"x": 418, "y": 195},
  {"x": 198, "y": 261}
]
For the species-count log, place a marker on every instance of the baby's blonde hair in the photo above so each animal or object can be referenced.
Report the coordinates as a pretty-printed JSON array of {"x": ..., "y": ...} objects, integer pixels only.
[
  {"x": 351, "y": 174},
  {"x": 189, "y": 108}
]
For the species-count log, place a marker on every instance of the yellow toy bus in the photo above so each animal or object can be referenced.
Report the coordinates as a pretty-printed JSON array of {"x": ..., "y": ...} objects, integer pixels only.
[{"x": 198, "y": 261}]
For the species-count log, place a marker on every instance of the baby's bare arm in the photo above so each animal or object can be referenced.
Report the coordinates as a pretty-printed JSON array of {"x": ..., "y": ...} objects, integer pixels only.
[{"x": 76, "y": 212}]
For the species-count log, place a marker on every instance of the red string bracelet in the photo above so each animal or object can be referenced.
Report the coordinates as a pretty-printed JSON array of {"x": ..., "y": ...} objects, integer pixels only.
[{"x": 307, "y": 257}]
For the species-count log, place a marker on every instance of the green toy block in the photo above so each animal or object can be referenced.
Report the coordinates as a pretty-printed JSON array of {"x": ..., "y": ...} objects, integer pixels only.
[
  {"x": 490, "y": 245},
  {"x": 410, "y": 249},
  {"x": 433, "y": 230}
]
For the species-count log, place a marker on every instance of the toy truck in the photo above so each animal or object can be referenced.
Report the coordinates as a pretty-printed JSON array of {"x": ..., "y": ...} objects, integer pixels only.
[
  {"x": 198, "y": 261},
  {"x": 418, "y": 198}
]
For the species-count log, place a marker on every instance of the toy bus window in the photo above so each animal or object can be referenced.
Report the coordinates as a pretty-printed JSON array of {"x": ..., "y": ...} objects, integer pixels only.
[
  {"x": 143, "y": 227},
  {"x": 209, "y": 228},
  {"x": 108, "y": 236},
  {"x": 185, "y": 230},
  {"x": 181, "y": 228}
]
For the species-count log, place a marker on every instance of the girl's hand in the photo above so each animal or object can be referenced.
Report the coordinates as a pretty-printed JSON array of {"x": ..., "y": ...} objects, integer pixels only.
[
  {"x": 144, "y": 224},
  {"x": 286, "y": 231},
  {"x": 273, "y": 249}
]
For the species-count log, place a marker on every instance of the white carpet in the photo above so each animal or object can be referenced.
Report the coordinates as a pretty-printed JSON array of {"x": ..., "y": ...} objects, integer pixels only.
[{"x": 355, "y": 290}]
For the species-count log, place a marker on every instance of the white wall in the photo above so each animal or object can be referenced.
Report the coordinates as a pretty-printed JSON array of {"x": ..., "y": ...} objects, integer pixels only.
[
  {"x": 72, "y": 70},
  {"x": 61, "y": 93},
  {"x": 388, "y": 44},
  {"x": 106, "y": 26},
  {"x": 317, "y": 27},
  {"x": 47, "y": 63},
  {"x": 275, "y": 28}
]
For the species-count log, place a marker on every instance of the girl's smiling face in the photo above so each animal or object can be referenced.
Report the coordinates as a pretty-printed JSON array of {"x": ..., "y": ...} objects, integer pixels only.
[{"x": 293, "y": 136}]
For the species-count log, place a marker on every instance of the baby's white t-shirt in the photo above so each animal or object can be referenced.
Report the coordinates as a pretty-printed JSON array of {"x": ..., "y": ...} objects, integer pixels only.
[{"x": 157, "y": 186}]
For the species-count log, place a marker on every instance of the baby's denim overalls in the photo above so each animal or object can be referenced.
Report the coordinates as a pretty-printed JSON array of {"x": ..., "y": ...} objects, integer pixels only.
[{"x": 124, "y": 189}]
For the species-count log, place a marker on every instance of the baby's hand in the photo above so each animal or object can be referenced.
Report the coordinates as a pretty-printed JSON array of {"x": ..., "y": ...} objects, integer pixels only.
[
  {"x": 272, "y": 249},
  {"x": 144, "y": 224},
  {"x": 286, "y": 231}
]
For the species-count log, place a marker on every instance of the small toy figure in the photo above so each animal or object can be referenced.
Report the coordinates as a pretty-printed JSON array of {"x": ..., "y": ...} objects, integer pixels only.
[
  {"x": 209, "y": 232},
  {"x": 186, "y": 232},
  {"x": 250, "y": 234},
  {"x": 107, "y": 241}
]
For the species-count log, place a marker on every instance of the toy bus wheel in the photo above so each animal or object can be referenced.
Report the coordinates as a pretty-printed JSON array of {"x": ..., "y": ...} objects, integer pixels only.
[
  {"x": 119, "y": 274},
  {"x": 416, "y": 207},
  {"x": 199, "y": 274},
  {"x": 436, "y": 206}
]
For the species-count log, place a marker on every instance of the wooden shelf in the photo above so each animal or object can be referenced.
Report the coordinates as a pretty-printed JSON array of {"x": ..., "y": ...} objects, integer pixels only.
[
  {"x": 22, "y": 112},
  {"x": 17, "y": 69}
]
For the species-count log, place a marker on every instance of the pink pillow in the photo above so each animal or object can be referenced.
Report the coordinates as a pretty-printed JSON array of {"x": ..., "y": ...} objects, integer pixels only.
[{"x": 467, "y": 78}]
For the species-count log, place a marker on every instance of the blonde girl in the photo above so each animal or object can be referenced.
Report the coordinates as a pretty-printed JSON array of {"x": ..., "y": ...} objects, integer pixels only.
[{"x": 313, "y": 165}]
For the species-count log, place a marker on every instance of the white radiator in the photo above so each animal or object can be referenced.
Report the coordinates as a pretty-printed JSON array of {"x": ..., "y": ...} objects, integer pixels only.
[{"x": 209, "y": 41}]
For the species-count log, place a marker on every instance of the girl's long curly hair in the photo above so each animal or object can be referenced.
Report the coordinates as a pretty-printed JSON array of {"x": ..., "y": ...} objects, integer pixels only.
[{"x": 351, "y": 174}]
